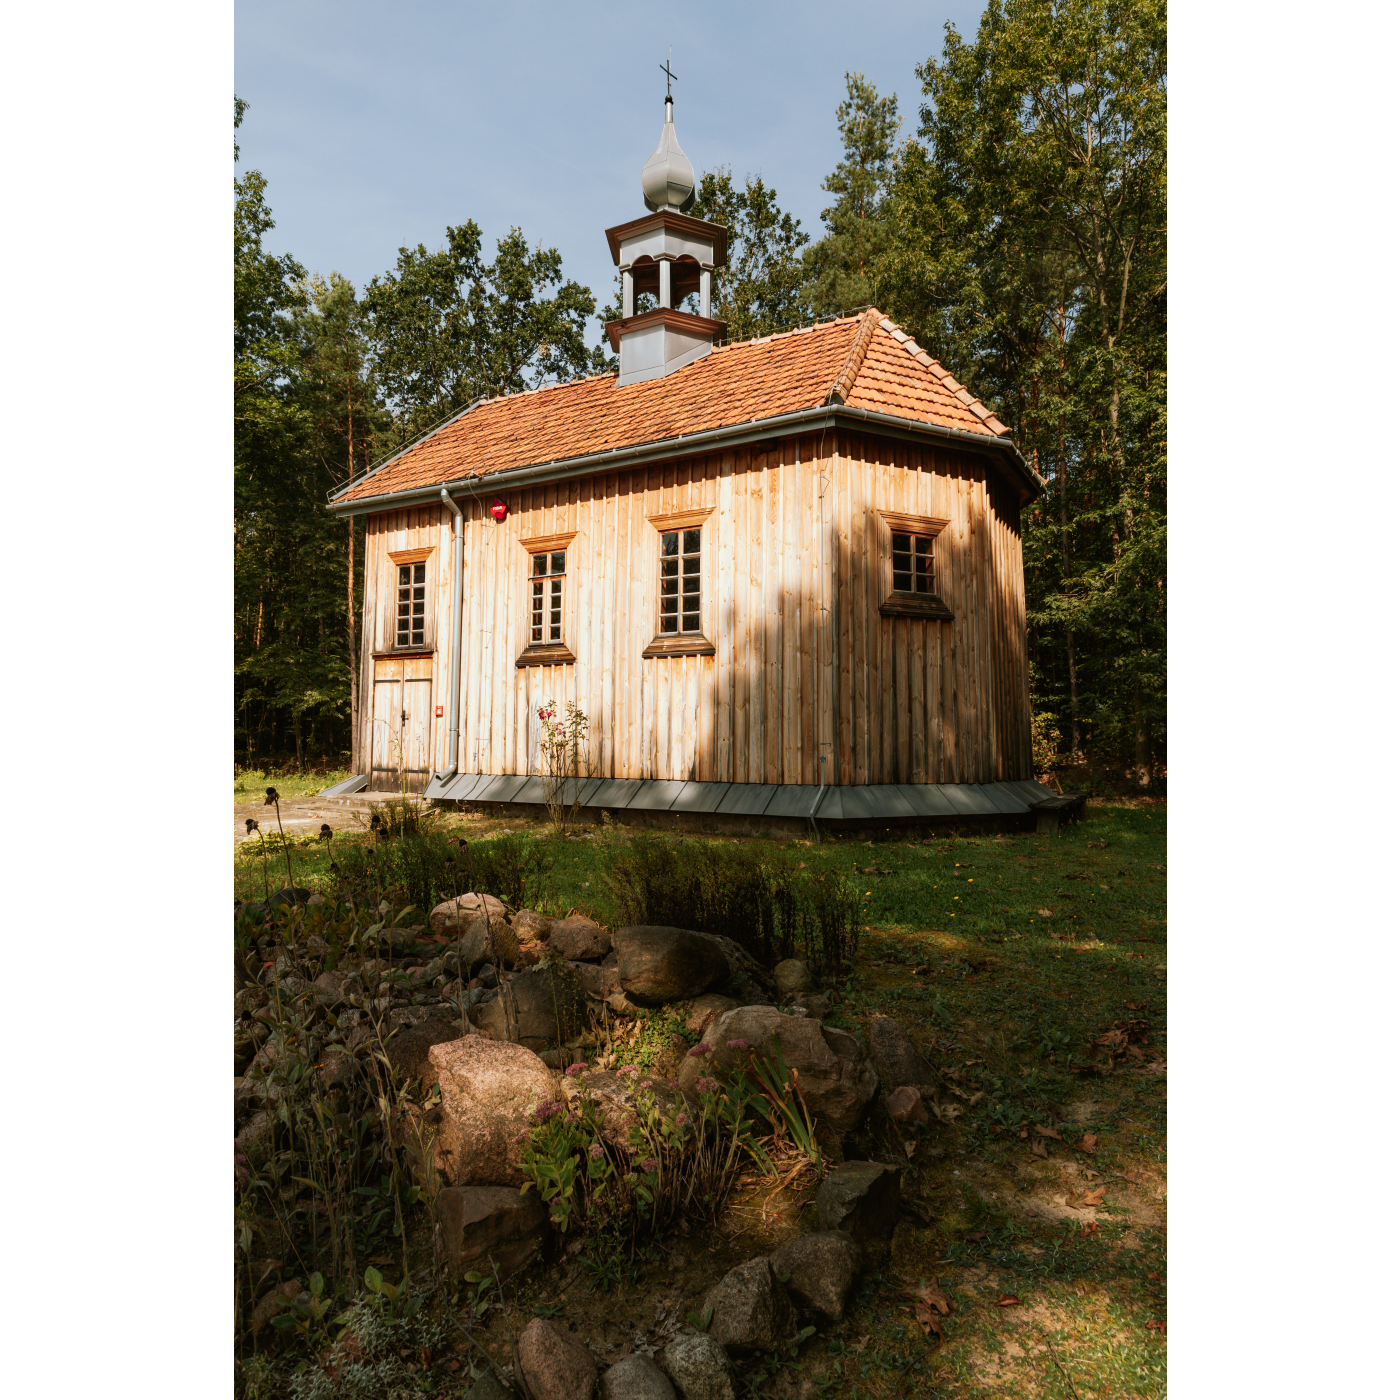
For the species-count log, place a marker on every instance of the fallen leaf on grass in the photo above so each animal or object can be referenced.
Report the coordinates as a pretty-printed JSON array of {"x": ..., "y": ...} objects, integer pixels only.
[
  {"x": 972, "y": 1236},
  {"x": 1097, "y": 845},
  {"x": 1038, "y": 1148},
  {"x": 1008, "y": 1300},
  {"x": 930, "y": 1295},
  {"x": 1158, "y": 1327},
  {"x": 1088, "y": 1143},
  {"x": 1045, "y": 913},
  {"x": 1088, "y": 1200},
  {"x": 1089, "y": 1227},
  {"x": 1047, "y": 1132}
]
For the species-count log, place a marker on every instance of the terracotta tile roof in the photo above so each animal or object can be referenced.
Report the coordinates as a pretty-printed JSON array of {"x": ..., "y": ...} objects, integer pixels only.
[{"x": 863, "y": 361}]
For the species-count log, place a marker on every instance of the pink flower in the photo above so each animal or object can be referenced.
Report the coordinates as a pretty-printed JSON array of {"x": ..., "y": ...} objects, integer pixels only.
[
  {"x": 697, "y": 1051},
  {"x": 650, "y": 1164},
  {"x": 550, "y": 1108},
  {"x": 518, "y": 1139},
  {"x": 596, "y": 1151},
  {"x": 680, "y": 1118},
  {"x": 576, "y": 1068},
  {"x": 627, "y": 1070},
  {"x": 706, "y": 1085},
  {"x": 737, "y": 1044}
]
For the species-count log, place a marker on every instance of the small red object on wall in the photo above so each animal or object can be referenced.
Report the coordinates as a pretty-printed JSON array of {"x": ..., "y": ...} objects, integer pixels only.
[
  {"x": 439, "y": 711},
  {"x": 499, "y": 509}
]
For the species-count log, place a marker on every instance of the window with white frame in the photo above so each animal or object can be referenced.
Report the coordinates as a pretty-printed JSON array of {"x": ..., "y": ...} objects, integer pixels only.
[
  {"x": 547, "y": 574},
  {"x": 411, "y": 616},
  {"x": 680, "y": 583}
]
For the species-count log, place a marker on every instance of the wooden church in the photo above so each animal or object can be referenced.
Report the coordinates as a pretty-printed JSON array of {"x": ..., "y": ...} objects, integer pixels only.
[{"x": 782, "y": 578}]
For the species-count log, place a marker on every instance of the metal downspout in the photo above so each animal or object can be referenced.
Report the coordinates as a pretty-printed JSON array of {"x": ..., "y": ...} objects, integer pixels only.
[
  {"x": 454, "y": 686},
  {"x": 817, "y": 648}
]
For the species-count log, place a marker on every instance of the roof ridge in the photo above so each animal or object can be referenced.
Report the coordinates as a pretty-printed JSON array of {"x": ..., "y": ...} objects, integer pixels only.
[
  {"x": 974, "y": 405},
  {"x": 855, "y": 357}
]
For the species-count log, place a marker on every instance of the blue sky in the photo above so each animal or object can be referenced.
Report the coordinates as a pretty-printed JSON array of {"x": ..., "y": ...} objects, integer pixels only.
[{"x": 378, "y": 124}]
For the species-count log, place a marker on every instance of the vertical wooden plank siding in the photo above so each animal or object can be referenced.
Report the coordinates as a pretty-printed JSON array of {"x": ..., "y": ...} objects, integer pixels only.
[{"x": 886, "y": 699}]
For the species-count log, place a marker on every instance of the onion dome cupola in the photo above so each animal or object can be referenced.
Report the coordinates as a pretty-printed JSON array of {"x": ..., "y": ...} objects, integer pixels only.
[
  {"x": 668, "y": 178},
  {"x": 666, "y": 256}
]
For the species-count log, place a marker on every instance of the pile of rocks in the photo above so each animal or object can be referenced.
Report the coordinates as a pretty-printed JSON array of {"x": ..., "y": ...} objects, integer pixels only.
[
  {"x": 498, "y": 1005},
  {"x": 752, "y": 1311}
]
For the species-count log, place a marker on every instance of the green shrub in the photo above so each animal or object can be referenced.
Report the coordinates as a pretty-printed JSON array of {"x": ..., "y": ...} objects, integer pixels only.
[{"x": 752, "y": 894}]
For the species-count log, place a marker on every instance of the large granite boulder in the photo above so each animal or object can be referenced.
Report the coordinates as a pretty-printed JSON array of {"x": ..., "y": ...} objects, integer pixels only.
[
  {"x": 819, "y": 1269},
  {"x": 699, "y": 1367},
  {"x": 539, "y": 1008},
  {"x": 833, "y": 1071},
  {"x": 489, "y": 1092},
  {"x": 656, "y": 965},
  {"x": 579, "y": 939},
  {"x": 556, "y": 1364},
  {"x": 483, "y": 1223},
  {"x": 407, "y": 1049},
  {"x": 636, "y": 1377},
  {"x": 752, "y": 1311},
  {"x": 451, "y": 916},
  {"x": 861, "y": 1199},
  {"x": 793, "y": 975},
  {"x": 895, "y": 1057}
]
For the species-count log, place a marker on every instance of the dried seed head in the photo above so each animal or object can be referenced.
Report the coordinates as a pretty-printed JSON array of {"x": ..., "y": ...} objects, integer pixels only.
[
  {"x": 251, "y": 824},
  {"x": 271, "y": 797}
]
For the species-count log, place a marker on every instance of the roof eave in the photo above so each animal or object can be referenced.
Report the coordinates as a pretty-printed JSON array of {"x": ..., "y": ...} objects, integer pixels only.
[{"x": 1029, "y": 483}]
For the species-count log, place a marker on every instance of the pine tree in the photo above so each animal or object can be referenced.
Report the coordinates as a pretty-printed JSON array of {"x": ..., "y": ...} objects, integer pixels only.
[
  {"x": 841, "y": 265},
  {"x": 1028, "y": 251}
]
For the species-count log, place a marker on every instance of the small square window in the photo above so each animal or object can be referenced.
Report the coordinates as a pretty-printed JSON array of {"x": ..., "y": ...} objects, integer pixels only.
[{"x": 913, "y": 563}]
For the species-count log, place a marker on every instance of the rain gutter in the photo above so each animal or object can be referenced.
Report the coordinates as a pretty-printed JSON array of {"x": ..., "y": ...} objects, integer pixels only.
[{"x": 756, "y": 430}]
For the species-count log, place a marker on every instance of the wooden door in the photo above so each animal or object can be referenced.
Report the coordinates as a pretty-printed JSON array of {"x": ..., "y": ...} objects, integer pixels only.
[
  {"x": 387, "y": 737},
  {"x": 417, "y": 731}
]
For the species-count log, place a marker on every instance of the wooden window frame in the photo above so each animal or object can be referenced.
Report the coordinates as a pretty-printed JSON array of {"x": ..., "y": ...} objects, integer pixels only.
[
  {"x": 407, "y": 558},
  {"x": 901, "y": 602},
  {"x": 679, "y": 643},
  {"x": 545, "y": 653}
]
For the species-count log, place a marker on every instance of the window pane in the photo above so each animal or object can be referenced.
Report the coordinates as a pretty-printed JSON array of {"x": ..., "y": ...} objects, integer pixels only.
[
  {"x": 901, "y": 542},
  {"x": 692, "y": 623},
  {"x": 692, "y": 542},
  {"x": 537, "y": 589},
  {"x": 420, "y": 573},
  {"x": 692, "y": 565},
  {"x": 557, "y": 561},
  {"x": 557, "y": 588},
  {"x": 923, "y": 584},
  {"x": 536, "y": 634},
  {"x": 668, "y": 587},
  {"x": 923, "y": 544},
  {"x": 417, "y": 639},
  {"x": 668, "y": 568},
  {"x": 418, "y": 593},
  {"x": 669, "y": 541},
  {"x": 901, "y": 581},
  {"x": 692, "y": 585},
  {"x": 539, "y": 563},
  {"x": 668, "y": 624},
  {"x": 668, "y": 606},
  {"x": 403, "y": 574},
  {"x": 418, "y": 610},
  {"x": 404, "y": 594}
]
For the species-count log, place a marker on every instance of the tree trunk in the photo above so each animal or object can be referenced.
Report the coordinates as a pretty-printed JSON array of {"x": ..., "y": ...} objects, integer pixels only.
[{"x": 1141, "y": 757}]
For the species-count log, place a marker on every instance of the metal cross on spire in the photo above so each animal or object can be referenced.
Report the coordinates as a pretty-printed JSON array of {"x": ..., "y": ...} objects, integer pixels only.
[{"x": 670, "y": 76}]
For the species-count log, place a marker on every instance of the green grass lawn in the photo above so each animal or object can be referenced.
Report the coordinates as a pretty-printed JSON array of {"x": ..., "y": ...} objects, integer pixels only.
[
  {"x": 1006, "y": 958},
  {"x": 251, "y": 784}
]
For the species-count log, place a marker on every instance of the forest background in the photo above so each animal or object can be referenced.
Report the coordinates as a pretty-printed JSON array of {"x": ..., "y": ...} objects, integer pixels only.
[{"x": 1019, "y": 234}]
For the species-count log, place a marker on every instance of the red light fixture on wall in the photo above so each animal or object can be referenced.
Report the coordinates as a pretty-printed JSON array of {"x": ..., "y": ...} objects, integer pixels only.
[{"x": 499, "y": 509}]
